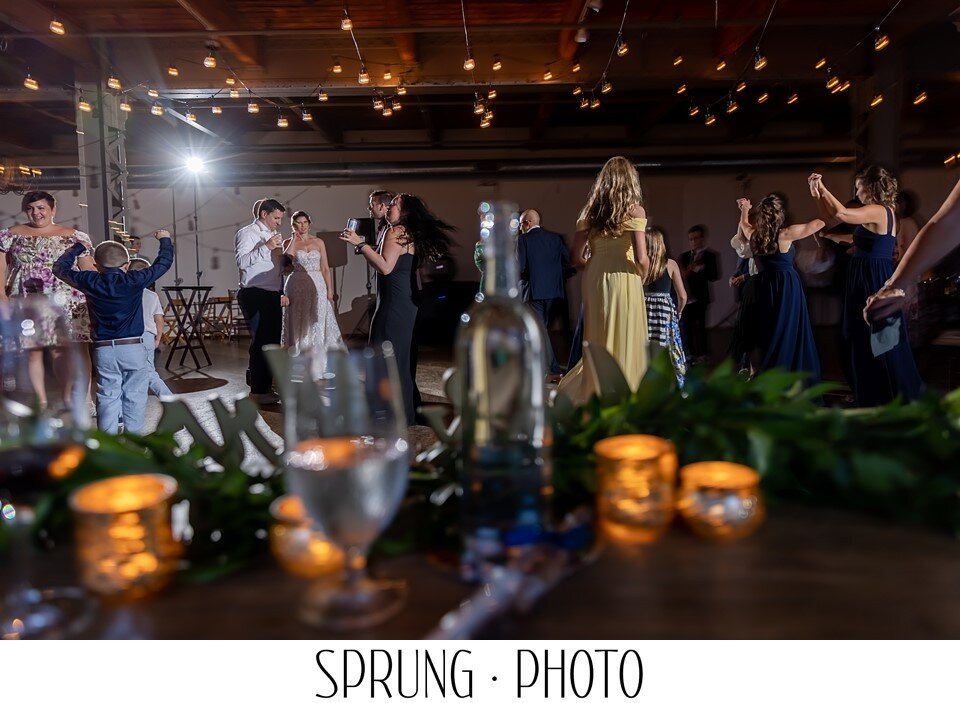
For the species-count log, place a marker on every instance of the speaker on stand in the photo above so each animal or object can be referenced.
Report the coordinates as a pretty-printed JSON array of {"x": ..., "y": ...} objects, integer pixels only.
[{"x": 367, "y": 229}]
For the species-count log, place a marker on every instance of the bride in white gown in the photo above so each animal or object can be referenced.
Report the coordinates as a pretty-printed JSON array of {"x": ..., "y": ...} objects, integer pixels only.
[{"x": 309, "y": 320}]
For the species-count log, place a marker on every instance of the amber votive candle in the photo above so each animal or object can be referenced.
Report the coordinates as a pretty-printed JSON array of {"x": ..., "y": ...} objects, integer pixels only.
[
  {"x": 297, "y": 545},
  {"x": 720, "y": 500}
]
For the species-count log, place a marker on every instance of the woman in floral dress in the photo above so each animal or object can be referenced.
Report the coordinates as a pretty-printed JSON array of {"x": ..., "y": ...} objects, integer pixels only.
[{"x": 29, "y": 252}]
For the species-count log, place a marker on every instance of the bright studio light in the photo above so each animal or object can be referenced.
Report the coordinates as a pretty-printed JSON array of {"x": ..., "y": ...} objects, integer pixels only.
[{"x": 195, "y": 164}]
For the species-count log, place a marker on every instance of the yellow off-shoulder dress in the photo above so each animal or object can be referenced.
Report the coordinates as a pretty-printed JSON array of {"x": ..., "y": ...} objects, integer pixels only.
[{"x": 614, "y": 313}]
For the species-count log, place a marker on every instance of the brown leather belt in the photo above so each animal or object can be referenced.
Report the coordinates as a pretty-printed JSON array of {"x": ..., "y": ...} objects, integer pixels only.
[{"x": 118, "y": 342}]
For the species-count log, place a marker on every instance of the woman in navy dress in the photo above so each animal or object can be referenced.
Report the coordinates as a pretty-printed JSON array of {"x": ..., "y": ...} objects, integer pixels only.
[
  {"x": 415, "y": 235},
  {"x": 881, "y": 362},
  {"x": 775, "y": 326}
]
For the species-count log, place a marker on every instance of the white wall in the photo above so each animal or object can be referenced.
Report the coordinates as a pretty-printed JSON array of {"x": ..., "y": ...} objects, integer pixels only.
[{"x": 674, "y": 201}]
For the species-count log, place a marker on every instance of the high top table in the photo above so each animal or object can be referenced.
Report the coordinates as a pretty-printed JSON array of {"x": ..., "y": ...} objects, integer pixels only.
[{"x": 188, "y": 304}]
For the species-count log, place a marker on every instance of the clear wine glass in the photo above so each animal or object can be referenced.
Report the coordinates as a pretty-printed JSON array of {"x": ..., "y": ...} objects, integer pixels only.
[
  {"x": 43, "y": 414},
  {"x": 347, "y": 460}
]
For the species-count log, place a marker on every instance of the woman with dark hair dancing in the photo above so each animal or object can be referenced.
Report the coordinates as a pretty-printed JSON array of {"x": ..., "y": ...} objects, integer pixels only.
[
  {"x": 881, "y": 362},
  {"x": 416, "y": 235},
  {"x": 775, "y": 328}
]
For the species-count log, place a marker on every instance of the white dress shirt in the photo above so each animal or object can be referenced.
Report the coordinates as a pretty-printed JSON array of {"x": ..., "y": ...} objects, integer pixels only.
[
  {"x": 259, "y": 268},
  {"x": 741, "y": 245}
]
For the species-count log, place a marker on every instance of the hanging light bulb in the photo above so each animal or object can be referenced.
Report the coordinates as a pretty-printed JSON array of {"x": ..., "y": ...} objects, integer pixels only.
[
  {"x": 709, "y": 120},
  {"x": 363, "y": 78},
  {"x": 880, "y": 41},
  {"x": 577, "y": 89},
  {"x": 478, "y": 107},
  {"x": 56, "y": 26},
  {"x": 388, "y": 75},
  {"x": 377, "y": 103},
  {"x": 681, "y": 89},
  {"x": 762, "y": 98},
  {"x": 401, "y": 89},
  {"x": 606, "y": 87},
  {"x": 732, "y": 106},
  {"x": 582, "y": 35},
  {"x": 230, "y": 80},
  {"x": 210, "y": 61},
  {"x": 492, "y": 94},
  {"x": 920, "y": 98},
  {"x": 388, "y": 109},
  {"x": 484, "y": 124},
  {"x": 234, "y": 93},
  {"x": 832, "y": 82},
  {"x": 282, "y": 121},
  {"x": 950, "y": 160},
  {"x": 576, "y": 67},
  {"x": 877, "y": 99},
  {"x": 759, "y": 61},
  {"x": 125, "y": 106},
  {"x": 497, "y": 63},
  {"x": 190, "y": 116},
  {"x": 468, "y": 63},
  {"x": 548, "y": 74},
  {"x": 156, "y": 109},
  {"x": 741, "y": 87},
  {"x": 694, "y": 110},
  {"x": 397, "y": 105},
  {"x": 216, "y": 110},
  {"x": 678, "y": 59},
  {"x": 337, "y": 68},
  {"x": 623, "y": 48},
  {"x": 83, "y": 105},
  {"x": 30, "y": 83},
  {"x": 346, "y": 24},
  {"x": 172, "y": 70},
  {"x": 794, "y": 97},
  {"x": 721, "y": 64},
  {"x": 821, "y": 63},
  {"x": 322, "y": 96},
  {"x": 305, "y": 114},
  {"x": 584, "y": 103},
  {"x": 844, "y": 87},
  {"x": 253, "y": 108},
  {"x": 113, "y": 83},
  {"x": 594, "y": 103}
]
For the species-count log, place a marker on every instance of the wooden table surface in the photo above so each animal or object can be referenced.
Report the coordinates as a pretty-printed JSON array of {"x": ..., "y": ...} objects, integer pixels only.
[{"x": 808, "y": 573}]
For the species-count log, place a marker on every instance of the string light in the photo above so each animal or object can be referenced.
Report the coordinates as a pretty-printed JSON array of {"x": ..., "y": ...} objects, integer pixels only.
[
  {"x": 363, "y": 78},
  {"x": 30, "y": 83},
  {"x": 488, "y": 115},
  {"x": 681, "y": 89},
  {"x": 844, "y": 87},
  {"x": 113, "y": 83},
  {"x": 606, "y": 87},
  {"x": 484, "y": 124},
  {"x": 153, "y": 93},
  {"x": 576, "y": 67},
  {"x": 190, "y": 116},
  {"x": 622, "y": 48},
  {"x": 950, "y": 160},
  {"x": 794, "y": 97},
  {"x": 497, "y": 63},
  {"x": 56, "y": 26},
  {"x": 282, "y": 121},
  {"x": 469, "y": 63},
  {"x": 584, "y": 103},
  {"x": 253, "y": 108},
  {"x": 742, "y": 86},
  {"x": 880, "y": 41},
  {"x": 821, "y": 63},
  {"x": 346, "y": 24},
  {"x": 156, "y": 109},
  {"x": 694, "y": 110},
  {"x": 125, "y": 106},
  {"x": 210, "y": 61},
  {"x": 594, "y": 103},
  {"x": 230, "y": 80},
  {"x": 832, "y": 82},
  {"x": 732, "y": 106},
  {"x": 762, "y": 98},
  {"x": 377, "y": 103},
  {"x": 678, "y": 59},
  {"x": 548, "y": 74},
  {"x": 172, "y": 70},
  {"x": 216, "y": 110},
  {"x": 577, "y": 89},
  {"x": 397, "y": 105},
  {"x": 877, "y": 99},
  {"x": 759, "y": 61},
  {"x": 322, "y": 96},
  {"x": 337, "y": 68},
  {"x": 920, "y": 98},
  {"x": 401, "y": 89},
  {"x": 388, "y": 75},
  {"x": 710, "y": 119},
  {"x": 582, "y": 36},
  {"x": 83, "y": 105},
  {"x": 234, "y": 93},
  {"x": 492, "y": 94},
  {"x": 388, "y": 109},
  {"x": 721, "y": 64},
  {"x": 305, "y": 114}
]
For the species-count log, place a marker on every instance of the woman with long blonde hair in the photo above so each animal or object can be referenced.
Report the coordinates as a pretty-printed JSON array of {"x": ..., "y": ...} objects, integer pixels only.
[
  {"x": 663, "y": 318},
  {"x": 614, "y": 314}
]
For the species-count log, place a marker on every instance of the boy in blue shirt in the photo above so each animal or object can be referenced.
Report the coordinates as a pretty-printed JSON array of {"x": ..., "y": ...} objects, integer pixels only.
[{"x": 115, "y": 301}]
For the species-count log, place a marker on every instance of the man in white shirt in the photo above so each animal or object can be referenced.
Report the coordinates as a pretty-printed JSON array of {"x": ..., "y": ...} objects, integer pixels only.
[{"x": 260, "y": 260}]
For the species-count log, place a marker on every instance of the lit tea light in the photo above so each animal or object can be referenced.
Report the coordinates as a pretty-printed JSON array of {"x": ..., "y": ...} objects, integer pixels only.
[
  {"x": 636, "y": 474},
  {"x": 297, "y": 545},
  {"x": 125, "y": 542},
  {"x": 720, "y": 500}
]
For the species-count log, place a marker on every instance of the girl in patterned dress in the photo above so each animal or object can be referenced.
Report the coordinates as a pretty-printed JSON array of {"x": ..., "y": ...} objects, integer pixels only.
[
  {"x": 663, "y": 318},
  {"x": 29, "y": 252}
]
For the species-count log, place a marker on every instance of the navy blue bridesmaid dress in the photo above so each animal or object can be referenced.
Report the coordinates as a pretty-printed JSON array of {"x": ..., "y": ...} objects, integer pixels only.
[
  {"x": 775, "y": 324},
  {"x": 876, "y": 379}
]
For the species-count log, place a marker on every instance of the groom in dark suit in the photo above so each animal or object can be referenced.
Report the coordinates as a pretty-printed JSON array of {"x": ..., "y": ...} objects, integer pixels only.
[
  {"x": 544, "y": 264},
  {"x": 699, "y": 269}
]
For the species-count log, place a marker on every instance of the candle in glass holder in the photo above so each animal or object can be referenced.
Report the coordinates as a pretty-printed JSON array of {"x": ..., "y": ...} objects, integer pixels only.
[
  {"x": 636, "y": 479},
  {"x": 297, "y": 545},
  {"x": 125, "y": 543},
  {"x": 720, "y": 500}
]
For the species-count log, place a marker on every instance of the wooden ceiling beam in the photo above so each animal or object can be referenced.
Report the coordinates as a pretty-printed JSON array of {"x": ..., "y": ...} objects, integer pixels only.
[
  {"x": 33, "y": 17},
  {"x": 217, "y": 14},
  {"x": 406, "y": 44}
]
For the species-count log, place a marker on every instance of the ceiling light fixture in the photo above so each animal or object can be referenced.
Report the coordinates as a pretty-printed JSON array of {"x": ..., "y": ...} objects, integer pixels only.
[
  {"x": 210, "y": 61},
  {"x": 56, "y": 26}
]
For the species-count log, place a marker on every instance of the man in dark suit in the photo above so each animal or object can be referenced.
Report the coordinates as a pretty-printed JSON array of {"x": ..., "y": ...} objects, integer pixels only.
[
  {"x": 544, "y": 264},
  {"x": 699, "y": 269}
]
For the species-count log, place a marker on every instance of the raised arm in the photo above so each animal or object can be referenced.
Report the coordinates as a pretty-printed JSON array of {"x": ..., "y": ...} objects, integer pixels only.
[
  {"x": 744, "y": 228},
  {"x": 801, "y": 231},
  {"x": 674, "y": 270},
  {"x": 63, "y": 267},
  {"x": 833, "y": 209},
  {"x": 160, "y": 265},
  {"x": 392, "y": 250}
]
